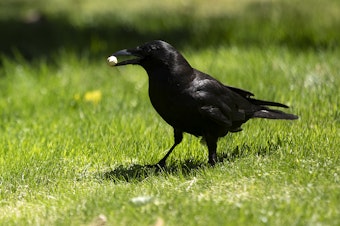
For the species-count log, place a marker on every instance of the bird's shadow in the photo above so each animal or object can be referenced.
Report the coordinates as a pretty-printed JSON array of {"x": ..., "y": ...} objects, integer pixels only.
[
  {"x": 189, "y": 167},
  {"x": 138, "y": 172}
]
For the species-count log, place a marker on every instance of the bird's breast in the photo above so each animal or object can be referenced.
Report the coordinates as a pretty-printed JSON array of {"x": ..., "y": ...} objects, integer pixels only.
[
  {"x": 177, "y": 107},
  {"x": 167, "y": 99}
]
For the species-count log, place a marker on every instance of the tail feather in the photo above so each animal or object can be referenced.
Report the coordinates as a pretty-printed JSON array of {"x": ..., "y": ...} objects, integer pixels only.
[
  {"x": 266, "y": 103},
  {"x": 274, "y": 114}
]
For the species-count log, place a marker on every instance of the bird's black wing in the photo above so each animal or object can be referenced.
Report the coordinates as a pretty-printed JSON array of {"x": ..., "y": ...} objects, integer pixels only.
[
  {"x": 246, "y": 94},
  {"x": 242, "y": 92},
  {"x": 218, "y": 102}
]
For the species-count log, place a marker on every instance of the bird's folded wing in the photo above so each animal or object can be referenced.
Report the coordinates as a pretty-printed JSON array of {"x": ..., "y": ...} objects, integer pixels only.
[
  {"x": 216, "y": 101},
  {"x": 216, "y": 115},
  {"x": 242, "y": 92}
]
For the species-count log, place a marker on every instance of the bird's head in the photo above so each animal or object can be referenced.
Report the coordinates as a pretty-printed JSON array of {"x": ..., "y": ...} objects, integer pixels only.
[{"x": 151, "y": 55}]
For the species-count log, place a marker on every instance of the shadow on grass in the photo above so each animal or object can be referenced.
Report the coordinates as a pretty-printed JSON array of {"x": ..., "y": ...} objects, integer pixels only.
[{"x": 135, "y": 173}]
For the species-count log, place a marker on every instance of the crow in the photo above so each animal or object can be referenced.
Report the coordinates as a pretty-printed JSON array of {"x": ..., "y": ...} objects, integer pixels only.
[{"x": 194, "y": 102}]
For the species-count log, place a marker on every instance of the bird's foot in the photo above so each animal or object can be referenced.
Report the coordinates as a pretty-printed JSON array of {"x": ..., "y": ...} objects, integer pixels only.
[
  {"x": 160, "y": 165},
  {"x": 212, "y": 160}
]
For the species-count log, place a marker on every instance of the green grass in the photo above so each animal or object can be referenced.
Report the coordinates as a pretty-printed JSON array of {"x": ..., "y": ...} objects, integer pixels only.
[
  {"x": 66, "y": 159},
  {"x": 75, "y": 133}
]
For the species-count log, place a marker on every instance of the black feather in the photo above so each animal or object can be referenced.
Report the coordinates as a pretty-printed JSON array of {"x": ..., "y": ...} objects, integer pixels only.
[
  {"x": 274, "y": 114},
  {"x": 266, "y": 103}
]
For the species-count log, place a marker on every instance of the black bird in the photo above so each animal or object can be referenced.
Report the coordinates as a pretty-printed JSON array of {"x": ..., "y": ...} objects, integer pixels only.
[{"x": 192, "y": 101}]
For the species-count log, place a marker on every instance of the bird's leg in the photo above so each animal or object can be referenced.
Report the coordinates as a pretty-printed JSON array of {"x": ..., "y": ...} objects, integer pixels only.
[
  {"x": 178, "y": 139},
  {"x": 212, "y": 145}
]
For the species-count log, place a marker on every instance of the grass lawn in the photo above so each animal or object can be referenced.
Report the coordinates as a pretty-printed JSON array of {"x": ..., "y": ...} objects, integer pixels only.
[{"x": 75, "y": 134}]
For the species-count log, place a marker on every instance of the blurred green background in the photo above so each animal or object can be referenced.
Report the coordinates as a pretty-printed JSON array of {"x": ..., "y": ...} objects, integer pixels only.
[{"x": 40, "y": 28}]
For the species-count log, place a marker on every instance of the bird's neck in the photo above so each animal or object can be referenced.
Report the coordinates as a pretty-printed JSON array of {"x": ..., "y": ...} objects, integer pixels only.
[{"x": 167, "y": 77}]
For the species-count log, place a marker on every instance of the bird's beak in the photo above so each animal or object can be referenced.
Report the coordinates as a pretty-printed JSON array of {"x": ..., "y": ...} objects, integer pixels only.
[{"x": 130, "y": 53}]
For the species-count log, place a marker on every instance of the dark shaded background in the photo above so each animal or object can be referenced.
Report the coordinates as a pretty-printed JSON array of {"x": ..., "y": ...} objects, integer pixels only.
[{"x": 28, "y": 31}]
